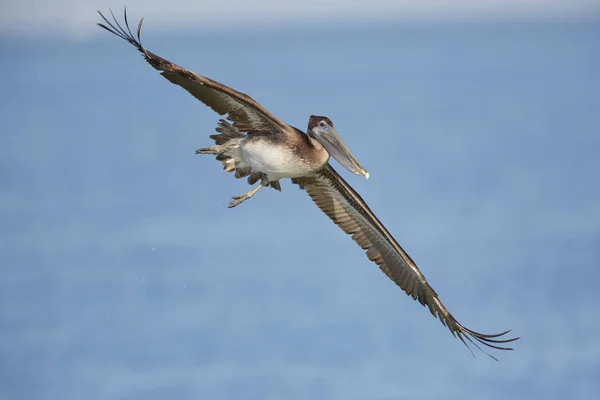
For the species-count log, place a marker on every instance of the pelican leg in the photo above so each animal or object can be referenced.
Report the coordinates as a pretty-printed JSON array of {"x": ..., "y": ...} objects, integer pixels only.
[
  {"x": 240, "y": 198},
  {"x": 218, "y": 149}
]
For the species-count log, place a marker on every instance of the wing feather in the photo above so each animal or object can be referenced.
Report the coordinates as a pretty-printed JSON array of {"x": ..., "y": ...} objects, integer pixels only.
[
  {"x": 245, "y": 113},
  {"x": 348, "y": 210}
]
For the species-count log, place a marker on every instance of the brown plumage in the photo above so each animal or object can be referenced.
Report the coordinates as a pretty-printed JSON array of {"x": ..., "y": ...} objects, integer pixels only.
[
  {"x": 336, "y": 198},
  {"x": 243, "y": 110},
  {"x": 255, "y": 130}
]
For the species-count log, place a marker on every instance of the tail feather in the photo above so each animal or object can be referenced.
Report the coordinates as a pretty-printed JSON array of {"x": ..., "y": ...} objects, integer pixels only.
[
  {"x": 254, "y": 177},
  {"x": 229, "y": 158},
  {"x": 229, "y": 155},
  {"x": 242, "y": 172},
  {"x": 226, "y": 133}
]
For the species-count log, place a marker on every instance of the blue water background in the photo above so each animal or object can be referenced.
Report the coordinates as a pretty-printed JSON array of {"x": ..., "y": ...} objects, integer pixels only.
[{"x": 123, "y": 275}]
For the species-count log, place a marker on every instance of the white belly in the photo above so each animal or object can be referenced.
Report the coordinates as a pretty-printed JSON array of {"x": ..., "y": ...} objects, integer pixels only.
[{"x": 276, "y": 162}]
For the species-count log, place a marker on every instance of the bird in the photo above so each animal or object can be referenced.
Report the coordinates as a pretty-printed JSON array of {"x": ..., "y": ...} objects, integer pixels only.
[{"x": 251, "y": 142}]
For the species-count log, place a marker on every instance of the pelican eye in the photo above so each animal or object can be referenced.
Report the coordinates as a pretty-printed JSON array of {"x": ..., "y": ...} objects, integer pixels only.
[{"x": 322, "y": 124}]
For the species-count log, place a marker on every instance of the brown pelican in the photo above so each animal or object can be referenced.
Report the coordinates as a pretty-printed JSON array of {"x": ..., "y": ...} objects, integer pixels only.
[{"x": 263, "y": 148}]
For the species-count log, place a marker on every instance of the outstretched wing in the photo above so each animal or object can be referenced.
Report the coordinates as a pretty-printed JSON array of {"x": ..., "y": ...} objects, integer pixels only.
[
  {"x": 245, "y": 113},
  {"x": 348, "y": 210}
]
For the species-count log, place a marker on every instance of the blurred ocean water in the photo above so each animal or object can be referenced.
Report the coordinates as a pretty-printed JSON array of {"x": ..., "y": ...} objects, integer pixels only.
[{"x": 124, "y": 275}]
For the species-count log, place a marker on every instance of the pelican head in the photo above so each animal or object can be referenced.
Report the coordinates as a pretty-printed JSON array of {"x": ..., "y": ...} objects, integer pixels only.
[{"x": 322, "y": 129}]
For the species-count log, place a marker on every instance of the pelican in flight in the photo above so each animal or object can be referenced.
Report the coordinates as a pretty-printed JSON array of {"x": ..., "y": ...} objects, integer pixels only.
[{"x": 258, "y": 145}]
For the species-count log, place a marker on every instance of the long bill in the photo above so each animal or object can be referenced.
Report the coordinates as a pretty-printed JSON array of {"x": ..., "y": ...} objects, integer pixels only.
[{"x": 338, "y": 150}]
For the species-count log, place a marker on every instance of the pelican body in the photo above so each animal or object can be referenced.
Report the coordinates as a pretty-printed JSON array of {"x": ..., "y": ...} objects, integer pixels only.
[
  {"x": 258, "y": 145},
  {"x": 271, "y": 156}
]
